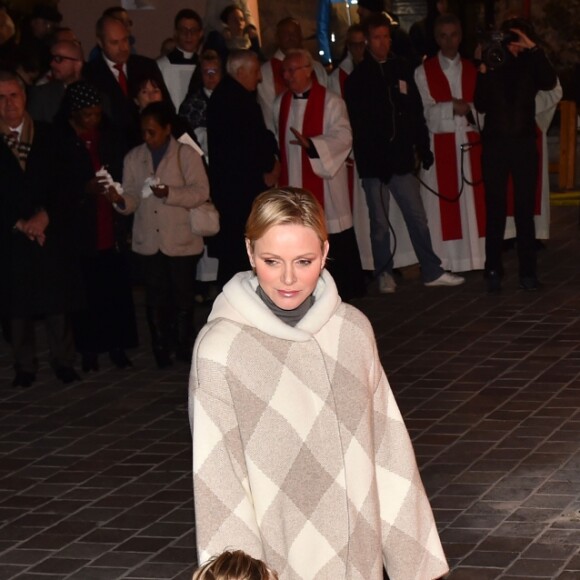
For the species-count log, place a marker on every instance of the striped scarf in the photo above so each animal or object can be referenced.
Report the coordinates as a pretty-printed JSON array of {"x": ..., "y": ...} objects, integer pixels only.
[{"x": 21, "y": 148}]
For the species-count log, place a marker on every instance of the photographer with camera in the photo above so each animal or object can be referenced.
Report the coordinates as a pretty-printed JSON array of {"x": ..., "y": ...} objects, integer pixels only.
[{"x": 505, "y": 91}]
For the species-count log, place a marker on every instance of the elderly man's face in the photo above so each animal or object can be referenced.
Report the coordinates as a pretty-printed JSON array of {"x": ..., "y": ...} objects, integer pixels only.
[
  {"x": 297, "y": 73},
  {"x": 115, "y": 41},
  {"x": 12, "y": 103}
]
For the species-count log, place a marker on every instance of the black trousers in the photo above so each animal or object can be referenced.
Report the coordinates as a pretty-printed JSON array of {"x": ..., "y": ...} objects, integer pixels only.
[
  {"x": 345, "y": 266},
  {"x": 108, "y": 321},
  {"x": 169, "y": 281},
  {"x": 518, "y": 157},
  {"x": 59, "y": 337}
]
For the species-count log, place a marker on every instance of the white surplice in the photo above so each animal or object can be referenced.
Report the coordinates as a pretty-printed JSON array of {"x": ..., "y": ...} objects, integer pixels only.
[
  {"x": 333, "y": 148},
  {"x": 176, "y": 77},
  {"x": 467, "y": 253}
]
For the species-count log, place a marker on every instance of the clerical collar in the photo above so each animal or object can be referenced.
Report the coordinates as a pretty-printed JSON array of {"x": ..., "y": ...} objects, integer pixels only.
[
  {"x": 290, "y": 317},
  {"x": 303, "y": 95},
  {"x": 447, "y": 62},
  {"x": 186, "y": 55}
]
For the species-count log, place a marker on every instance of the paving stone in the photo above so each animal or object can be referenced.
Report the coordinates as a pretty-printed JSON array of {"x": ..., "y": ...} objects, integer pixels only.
[{"x": 95, "y": 477}]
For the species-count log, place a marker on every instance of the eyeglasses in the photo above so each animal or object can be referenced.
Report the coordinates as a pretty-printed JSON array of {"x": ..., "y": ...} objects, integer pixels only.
[
  {"x": 210, "y": 71},
  {"x": 188, "y": 31},
  {"x": 58, "y": 58}
]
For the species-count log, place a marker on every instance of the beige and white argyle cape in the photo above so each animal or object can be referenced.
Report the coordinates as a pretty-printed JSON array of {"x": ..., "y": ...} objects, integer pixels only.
[{"x": 300, "y": 455}]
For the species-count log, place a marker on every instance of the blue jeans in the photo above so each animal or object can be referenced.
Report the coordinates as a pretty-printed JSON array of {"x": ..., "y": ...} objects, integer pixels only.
[{"x": 405, "y": 190}]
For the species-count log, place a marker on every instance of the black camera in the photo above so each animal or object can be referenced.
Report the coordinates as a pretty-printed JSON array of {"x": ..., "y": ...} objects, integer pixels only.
[{"x": 494, "y": 43}]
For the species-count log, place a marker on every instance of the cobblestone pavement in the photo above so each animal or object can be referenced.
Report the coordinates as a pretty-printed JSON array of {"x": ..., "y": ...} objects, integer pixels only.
[{"x": 95, "y": 478}]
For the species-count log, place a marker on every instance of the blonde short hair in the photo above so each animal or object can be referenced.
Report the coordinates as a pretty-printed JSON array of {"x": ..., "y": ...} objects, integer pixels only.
[
  {"x": 285, "y": 206},
  {"x": 235, "y": 565}
]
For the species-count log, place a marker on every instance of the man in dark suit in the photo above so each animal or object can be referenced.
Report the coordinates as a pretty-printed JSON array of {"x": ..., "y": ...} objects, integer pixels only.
[
  {"x": 39, "y": 273},
  {"x": 66, "y": 65},
  {"x": 243, "y": 158},
  {"x": 117, "y": 73}
]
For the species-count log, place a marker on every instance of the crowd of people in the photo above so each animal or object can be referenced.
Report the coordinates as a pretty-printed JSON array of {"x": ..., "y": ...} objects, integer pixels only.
[{"x": 103, "y": 162}]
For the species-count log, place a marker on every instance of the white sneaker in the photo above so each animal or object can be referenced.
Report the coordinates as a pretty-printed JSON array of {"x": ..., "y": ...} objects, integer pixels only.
[
  {"x": 387, "y": 284},
  {"x": 446, "y": 279}
]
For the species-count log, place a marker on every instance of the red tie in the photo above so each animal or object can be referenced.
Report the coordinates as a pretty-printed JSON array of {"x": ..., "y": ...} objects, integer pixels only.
[{"x": 122, "y": 79}]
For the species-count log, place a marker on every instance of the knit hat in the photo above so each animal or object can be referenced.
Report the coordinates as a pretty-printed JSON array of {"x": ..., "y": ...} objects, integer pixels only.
[
  {"x": 81, "y": 95},
  {"x": 372, "y": 5}
]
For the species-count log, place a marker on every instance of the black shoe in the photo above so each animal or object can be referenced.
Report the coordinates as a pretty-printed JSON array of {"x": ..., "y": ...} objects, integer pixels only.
[
  {"x": 493, "y": 282},
  {"x": 23, "y": 379},
  {"x": 90, "y": 362},
  {"x": 529, "y": 283},
  {"x": 66, "y": 374},
  {"x": 120, "y": 359}
]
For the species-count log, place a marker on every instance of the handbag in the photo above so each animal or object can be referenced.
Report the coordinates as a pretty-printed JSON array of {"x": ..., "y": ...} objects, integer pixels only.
[{"x": 205, "y": 218}]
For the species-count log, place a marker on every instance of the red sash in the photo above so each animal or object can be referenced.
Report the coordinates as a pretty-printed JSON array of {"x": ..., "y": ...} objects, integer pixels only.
[
  {"x": 539, "y": 180},
  {"x": 448, "y": 175},
  {"x": 312, "y": 126},
  {"x": 279, "y": 85},
  {"x": 342, "y": 76}
]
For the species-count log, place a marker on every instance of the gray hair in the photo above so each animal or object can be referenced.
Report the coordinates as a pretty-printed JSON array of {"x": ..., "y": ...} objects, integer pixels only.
[
  {"x": 8, "y": 76},
  {"x": 240, "y": 59},
  {"x": 301, "y": 52}
]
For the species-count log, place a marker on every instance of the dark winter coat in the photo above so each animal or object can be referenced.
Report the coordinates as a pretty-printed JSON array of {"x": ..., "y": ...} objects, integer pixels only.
[
  {"x": 37, "y": 280},
  {"x": 386, "y": 115}
]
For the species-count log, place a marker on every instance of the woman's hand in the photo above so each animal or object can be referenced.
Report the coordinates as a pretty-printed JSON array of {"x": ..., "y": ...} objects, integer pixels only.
[{"x": 160, "y": 191}]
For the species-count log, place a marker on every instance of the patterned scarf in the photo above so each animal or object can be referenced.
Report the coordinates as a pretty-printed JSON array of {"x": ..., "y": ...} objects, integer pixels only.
[{"x": 21, "y": 148}]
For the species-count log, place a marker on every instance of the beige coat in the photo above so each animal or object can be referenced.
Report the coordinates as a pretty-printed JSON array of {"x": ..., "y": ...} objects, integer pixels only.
[
  {"x": 163, "y": 224},
  {"x": 300, "y": 455}
]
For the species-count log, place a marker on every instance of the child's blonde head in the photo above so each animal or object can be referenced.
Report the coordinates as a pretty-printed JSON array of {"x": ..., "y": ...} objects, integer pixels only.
[{"x": 235, "y": 565}]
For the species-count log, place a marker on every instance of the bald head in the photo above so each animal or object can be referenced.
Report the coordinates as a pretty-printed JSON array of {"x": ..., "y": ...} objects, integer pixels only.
[
  {"x": 288, "y": 35},
  {"x": 66, "y": 61}
]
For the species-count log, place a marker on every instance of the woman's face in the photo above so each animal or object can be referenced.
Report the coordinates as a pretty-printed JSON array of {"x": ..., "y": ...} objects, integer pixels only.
[
  {"x": 148, "y": 94},
  {"x": 88, "y": 118},
  {"x": 288, "y": 260},
  {"x": 154, "y": 134},
  {"x": 236, "y": 22}
]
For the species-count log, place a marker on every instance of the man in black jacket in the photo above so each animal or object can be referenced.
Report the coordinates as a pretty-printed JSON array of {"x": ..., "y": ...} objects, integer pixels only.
[
  {"x": 506, "y": 94},
  {"x": 116, "y": 74},
  {"x": 40, "y": 277},
  {"x": 242, "y": 155},
  {"x": 389, "y": 131}
]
